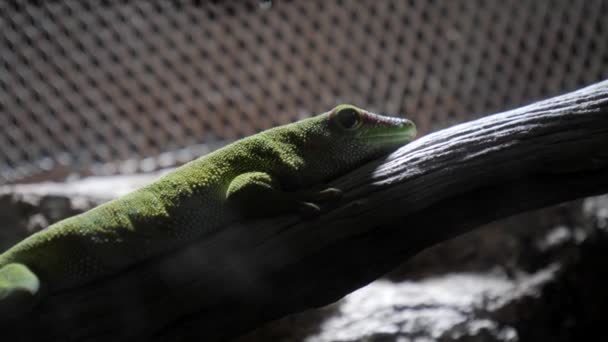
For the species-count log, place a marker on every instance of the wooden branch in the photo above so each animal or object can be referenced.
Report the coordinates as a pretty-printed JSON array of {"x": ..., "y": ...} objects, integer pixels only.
[{"x": 439, "y": 186}]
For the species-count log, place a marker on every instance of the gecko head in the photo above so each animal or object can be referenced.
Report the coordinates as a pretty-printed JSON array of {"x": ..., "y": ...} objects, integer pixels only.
[
  {"x": 370, "y": 134},
  {"x": 346, "y": 137},
  {"x": 332, "y": 143}
]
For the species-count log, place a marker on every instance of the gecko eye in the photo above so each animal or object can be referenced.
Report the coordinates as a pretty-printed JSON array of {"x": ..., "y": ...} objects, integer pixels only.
[{"x": 348, "y": 118}]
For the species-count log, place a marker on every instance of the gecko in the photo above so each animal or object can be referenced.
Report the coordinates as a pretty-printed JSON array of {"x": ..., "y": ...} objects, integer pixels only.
[{"x": 278, "y": 171}]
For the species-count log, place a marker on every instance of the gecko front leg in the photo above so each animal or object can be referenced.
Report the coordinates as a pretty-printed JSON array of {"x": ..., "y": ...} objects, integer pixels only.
[{"x": 258, "y": 194}]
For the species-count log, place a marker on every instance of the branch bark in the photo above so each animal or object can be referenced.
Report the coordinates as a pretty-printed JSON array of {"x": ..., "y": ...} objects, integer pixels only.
[{"x": 439, "y": 186}]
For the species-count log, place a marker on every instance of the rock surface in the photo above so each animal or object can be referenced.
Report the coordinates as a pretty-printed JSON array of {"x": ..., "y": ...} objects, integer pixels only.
[{"x": 537, "y": 276}]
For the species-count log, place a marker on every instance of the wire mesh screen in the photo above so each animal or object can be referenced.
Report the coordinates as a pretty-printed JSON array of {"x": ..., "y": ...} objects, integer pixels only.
[{"x": 86, "y": 83}]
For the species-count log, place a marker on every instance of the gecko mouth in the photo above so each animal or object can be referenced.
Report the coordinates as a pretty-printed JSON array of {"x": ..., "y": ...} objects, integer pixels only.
[
  {"x": 404, "y": 133},
  {"x": 395, "y": 138}
]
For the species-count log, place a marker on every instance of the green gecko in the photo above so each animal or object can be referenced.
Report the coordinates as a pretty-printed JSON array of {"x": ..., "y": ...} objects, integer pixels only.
[{"x": 278, "y": 171}]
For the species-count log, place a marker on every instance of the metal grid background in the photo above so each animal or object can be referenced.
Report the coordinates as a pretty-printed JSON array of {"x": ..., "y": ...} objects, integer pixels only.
[{"x": 86, "y": 83}]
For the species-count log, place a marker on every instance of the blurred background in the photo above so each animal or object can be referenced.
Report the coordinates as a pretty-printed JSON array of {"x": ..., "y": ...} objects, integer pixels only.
[
  {"x": 112, "y": 87},
  {"x": 109, "y": 86}
]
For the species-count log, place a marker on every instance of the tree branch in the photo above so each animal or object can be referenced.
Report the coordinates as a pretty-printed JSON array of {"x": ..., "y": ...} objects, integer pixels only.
[{"x": 439, "y": 186}]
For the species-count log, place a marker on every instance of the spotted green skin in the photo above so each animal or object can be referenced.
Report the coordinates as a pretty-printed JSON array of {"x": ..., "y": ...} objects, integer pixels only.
[{"x": 272, "y": 169}]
